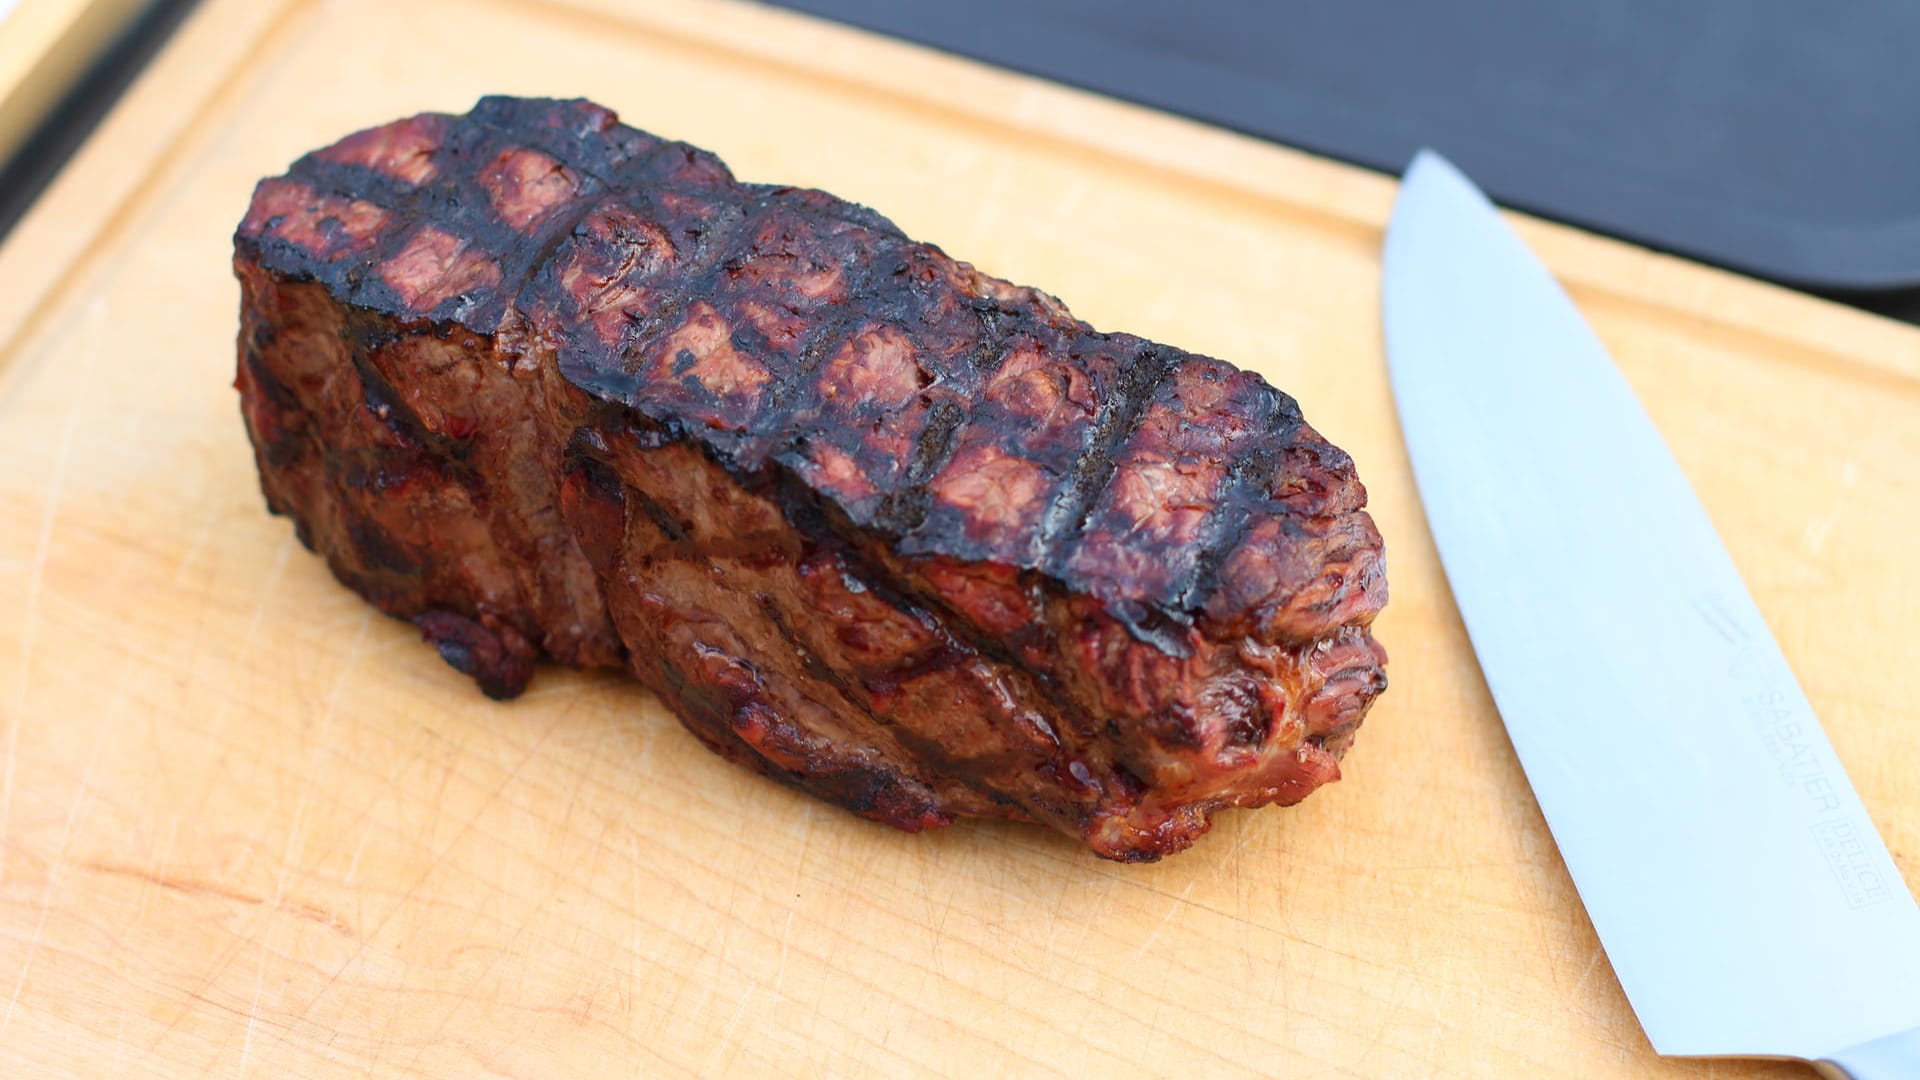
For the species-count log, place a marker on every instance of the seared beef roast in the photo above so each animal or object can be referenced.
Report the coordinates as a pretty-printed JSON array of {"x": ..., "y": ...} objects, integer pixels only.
[{"x": 902, "y": 535}]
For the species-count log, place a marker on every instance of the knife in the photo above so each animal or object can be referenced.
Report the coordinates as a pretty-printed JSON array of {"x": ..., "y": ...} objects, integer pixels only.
[{"x": 1743, "y": 896}]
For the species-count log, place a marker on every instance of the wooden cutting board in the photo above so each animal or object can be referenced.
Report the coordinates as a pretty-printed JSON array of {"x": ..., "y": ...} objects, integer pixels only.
[
  {"x": 46, "y": 46},
  {"x": 250, "y": 825}
]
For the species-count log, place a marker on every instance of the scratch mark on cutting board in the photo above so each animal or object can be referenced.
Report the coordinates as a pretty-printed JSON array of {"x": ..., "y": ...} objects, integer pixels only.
[
  {"x": 30, "y": 617},
  {"x": 1178, "y": 907},
  {"x": 120, "y": 1039},
  {"x": 253, "y": 1009},
  {"x": 162, "y": 854},
  {"x": 513, "y": 945},
  {"x": 438, "y": 859},
  {"x": 359, "y": 849},
  {"x": 319, "y": 738},
  {"x": 717, "y": 1061},
  {"x": 780, "y": 965},
  {"x": 1819, "y": 529},
  {"x": 202, "y": 536},
  {"x": 268, "y": 588},
  {"x": 441, "y": 859},
  {"x": 295, "y": 829},
  {"x": 194, "y": 887},
  {"x": 83, "y": 792}
]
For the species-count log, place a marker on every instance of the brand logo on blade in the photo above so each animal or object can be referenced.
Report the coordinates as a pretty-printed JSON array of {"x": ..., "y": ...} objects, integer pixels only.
[
  {"x": 1851, "y": 856},
  {"x": 1792, "y": 736}
]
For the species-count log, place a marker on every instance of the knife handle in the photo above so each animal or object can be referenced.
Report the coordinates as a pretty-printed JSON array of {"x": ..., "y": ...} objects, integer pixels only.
[{"x": 1896, "y": 1057}]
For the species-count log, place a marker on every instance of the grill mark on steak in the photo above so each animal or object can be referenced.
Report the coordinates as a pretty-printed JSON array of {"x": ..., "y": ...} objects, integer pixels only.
[
  {"x": 450, "y": 201},
  {"x": 550, "y": 386},
  {"x": 684, "y": 285},
  {"x": 587, "y": 138},
  {"x": 1227, "y": 525},
  {"x": 795, "y": 387},
  {"x": 1066, "y": 518},
  {"x": 905, "y": 511},
  {"x": 451, "y": 193},
  {"x": 1072, "y": 726},
  {"x": 954, "y": 648},
  {"x": 942, "y": 659}
]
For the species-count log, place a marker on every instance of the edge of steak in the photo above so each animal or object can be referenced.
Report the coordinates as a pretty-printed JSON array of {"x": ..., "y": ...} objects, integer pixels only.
[{"x": 900, "y": 534}]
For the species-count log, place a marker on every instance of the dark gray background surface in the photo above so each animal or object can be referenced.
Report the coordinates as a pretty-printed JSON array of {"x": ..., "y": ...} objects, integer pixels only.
[{"x": 1776, "y": 137}]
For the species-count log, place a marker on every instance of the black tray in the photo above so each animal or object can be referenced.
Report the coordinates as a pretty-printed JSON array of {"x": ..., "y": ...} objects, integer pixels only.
[{"x": 1777, "y": 137}]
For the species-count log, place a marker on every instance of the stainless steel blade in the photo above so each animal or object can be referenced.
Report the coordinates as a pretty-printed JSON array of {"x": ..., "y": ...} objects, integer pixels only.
[{"x": 1741, "y": 891}]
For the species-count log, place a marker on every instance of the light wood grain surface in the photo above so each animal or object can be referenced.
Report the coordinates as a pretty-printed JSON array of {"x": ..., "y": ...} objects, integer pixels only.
[
  {"x": 249, "y": 826},
  {"x": 45, "y": 47}
]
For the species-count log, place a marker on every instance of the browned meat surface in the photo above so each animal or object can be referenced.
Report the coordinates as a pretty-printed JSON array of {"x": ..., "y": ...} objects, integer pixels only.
[{"x": 899, "y": 534}]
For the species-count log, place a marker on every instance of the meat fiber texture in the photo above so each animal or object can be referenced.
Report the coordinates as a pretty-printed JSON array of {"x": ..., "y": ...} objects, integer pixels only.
[{"x": 879, "y": 526}]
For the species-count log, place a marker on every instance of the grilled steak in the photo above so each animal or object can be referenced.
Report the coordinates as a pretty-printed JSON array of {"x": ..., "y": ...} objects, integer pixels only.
[{"x": 875, "y": 524}]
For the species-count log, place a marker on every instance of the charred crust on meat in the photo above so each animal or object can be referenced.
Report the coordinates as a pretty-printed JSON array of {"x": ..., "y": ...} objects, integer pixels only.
[
  {"x": 889, "y": 530},
  {"x": 497, "y": 657}
]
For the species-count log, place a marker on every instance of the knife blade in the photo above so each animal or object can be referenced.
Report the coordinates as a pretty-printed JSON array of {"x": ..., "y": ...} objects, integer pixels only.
[{"x": 1744, "y": 898}]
